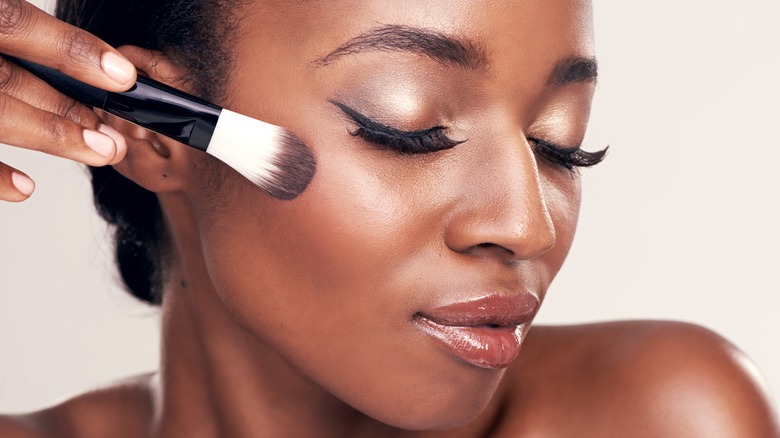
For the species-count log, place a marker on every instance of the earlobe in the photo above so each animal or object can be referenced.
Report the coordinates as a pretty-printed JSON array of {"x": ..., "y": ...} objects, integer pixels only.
[
  {"x": 153, "y": 161},
  {"x": 150, "y": 161}
]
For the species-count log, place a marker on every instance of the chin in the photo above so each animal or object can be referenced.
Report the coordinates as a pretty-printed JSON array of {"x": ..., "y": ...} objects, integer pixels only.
[
  {"x": 442, "y": 408},
  {"x": 445, "y": 416}
]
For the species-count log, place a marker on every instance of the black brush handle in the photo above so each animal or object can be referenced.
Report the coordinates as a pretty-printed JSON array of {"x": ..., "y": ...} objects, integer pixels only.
[{"x": 151, "y": 104}]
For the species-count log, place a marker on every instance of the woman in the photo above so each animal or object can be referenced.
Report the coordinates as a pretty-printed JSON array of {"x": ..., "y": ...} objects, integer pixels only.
[{"x": 444, "y": 203}]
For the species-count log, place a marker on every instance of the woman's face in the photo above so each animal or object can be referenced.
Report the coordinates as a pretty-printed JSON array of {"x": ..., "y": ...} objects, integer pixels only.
[{"x": 431, "y": 221}]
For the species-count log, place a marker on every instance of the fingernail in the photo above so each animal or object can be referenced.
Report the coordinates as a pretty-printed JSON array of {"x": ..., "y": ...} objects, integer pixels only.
[
  {"x": 102, "y": 144},
  {"x": 117, "y": 68},
  {"x": 119, "y": 140},
  {"x": 23, "y": 183}
]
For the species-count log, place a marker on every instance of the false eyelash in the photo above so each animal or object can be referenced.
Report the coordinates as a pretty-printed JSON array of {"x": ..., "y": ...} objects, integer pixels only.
[
  {"x": 569, "y": 158},
  {"x": 405, "y": 142}
]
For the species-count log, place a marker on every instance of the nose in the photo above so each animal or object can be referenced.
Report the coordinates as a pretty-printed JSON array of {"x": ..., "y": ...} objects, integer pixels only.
[{"x": 503, "y": 212}]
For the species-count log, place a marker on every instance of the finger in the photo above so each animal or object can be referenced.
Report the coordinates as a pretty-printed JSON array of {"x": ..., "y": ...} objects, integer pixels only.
[
  {"x": 31, "y": 128},
  {"x": 19, "y": 83},
  {"x": 15, "y": 186},
  {"x": 29, "y": 33}
]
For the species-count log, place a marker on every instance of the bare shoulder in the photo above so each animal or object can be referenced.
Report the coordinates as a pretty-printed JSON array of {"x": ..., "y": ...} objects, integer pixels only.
[
  {"x": 124, "y": 408},
  {"x": 638, "y": 379}
]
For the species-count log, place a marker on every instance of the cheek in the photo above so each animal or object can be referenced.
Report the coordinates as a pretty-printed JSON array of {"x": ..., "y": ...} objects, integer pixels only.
[
  {"x": 324, "y": 281},
  {"x": 336, "y": 236}
]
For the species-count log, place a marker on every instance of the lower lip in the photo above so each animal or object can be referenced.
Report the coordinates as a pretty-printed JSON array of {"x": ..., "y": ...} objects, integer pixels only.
[{"x": 483, "y": 347}]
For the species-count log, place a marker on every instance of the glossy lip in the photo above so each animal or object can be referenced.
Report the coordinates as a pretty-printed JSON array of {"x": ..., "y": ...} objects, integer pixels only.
[{"x": 485, "y": 332}]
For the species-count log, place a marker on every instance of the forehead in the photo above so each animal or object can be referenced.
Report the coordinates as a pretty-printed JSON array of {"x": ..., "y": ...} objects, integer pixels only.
[{"x": 522, "y": 27}]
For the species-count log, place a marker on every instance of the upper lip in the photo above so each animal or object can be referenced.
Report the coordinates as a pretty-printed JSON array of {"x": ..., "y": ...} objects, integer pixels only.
[{"x": 489, "y": 310}]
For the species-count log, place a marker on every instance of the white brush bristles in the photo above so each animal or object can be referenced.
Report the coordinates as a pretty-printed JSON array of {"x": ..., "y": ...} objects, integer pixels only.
[
  {"x": 249, "y": 146},
  {"x": 269, "y": 156}
]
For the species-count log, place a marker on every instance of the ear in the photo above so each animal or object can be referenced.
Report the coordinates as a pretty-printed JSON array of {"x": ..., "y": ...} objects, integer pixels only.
[{"x": 153, "y": 161}]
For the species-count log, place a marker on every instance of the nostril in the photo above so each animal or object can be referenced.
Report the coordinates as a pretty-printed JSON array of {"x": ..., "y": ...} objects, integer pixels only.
[{"x": 493, "y": 247}]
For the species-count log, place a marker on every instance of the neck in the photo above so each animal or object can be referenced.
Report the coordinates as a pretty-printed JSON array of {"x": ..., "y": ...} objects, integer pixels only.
[{"x": 222, "y": 376}]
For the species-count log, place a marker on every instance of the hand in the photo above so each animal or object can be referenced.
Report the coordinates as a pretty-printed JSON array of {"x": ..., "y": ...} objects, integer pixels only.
[{"x": 35, "y": 116}]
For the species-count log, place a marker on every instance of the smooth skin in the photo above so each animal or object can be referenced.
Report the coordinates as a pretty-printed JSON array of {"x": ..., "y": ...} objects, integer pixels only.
[{"x": 296, "y": 318}]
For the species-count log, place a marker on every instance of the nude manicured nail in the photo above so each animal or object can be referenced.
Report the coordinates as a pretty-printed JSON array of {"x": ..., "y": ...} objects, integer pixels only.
[
  {"x": 100, "y": 143},
  {"x": 117, "y": 68},
  {"x": 119, "y": 139},
  {"x": 22, "y": 183}
]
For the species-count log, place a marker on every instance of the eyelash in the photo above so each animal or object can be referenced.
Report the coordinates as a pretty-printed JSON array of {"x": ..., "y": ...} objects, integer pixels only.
[
  {"x": 405, "y": 142},
  {"x": 568, "y": 158},
  {"x": 433, "y": 140}
]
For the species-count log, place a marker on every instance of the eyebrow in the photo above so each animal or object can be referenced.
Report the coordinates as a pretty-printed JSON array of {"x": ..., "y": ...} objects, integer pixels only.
[
  {"x": 438, "y": 46},
  {"x": 573, "y": 69},
  {"x": 450, "y": 50}
]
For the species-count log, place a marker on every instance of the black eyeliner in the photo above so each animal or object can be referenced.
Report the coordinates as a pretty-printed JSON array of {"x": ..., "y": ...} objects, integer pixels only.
[
  {"x": 406, "y": 142},
  {"x": 372, "y": 125}
]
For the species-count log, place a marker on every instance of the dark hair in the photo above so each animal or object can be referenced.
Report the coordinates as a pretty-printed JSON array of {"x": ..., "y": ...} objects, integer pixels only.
[{"x": 196, "y": 34}]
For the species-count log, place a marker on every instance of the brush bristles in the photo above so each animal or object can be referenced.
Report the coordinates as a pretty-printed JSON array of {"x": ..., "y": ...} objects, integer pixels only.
[{"x": 267, "y": 155}]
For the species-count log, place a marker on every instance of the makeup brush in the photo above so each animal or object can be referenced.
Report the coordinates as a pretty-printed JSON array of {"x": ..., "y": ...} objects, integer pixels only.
[{"x": 269, "y": 156}]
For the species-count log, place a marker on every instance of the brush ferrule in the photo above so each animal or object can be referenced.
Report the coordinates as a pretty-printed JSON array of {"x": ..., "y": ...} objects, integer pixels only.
[{"x": 167, "y": 111}]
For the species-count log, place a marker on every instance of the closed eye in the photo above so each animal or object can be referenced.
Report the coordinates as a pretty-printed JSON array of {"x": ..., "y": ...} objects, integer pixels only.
[
  {"x": 568, "y": 158},
  {"x": 405, "y": 142}
]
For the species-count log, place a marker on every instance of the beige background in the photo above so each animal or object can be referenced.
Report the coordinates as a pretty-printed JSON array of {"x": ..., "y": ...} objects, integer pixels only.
[{"x": 681, "y": 222}]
